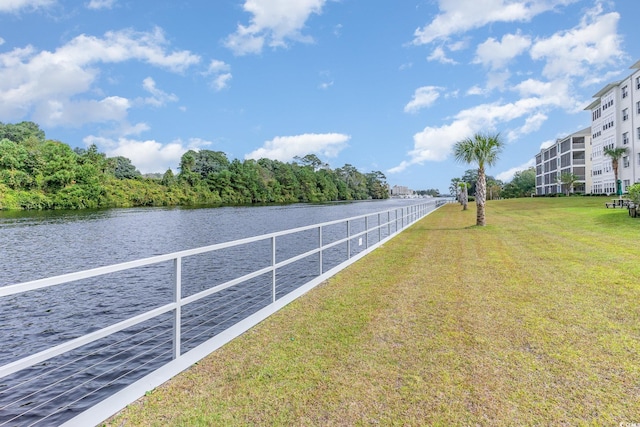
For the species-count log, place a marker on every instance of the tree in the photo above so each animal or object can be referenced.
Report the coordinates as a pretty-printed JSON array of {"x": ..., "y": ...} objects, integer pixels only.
[
  {"x": 615, "y": 153},
  {"x": 522, "y": 184},
  {"x": 124, "y": 169},
  {"x": 207, "y": 161},
  {"x": 454, "y": 186},
  {"x": 471, "y": 177},
  {"x": 377, "y": 185},
  {"x": 20, "y": 131},
  {"x": 313, "y": 161},
  {"x": 433, "y": 192},
  {"x": 168, "y": 179},
  {"x": 634, "y": 193},
  {"x": 463, "y": 196},
  {"x": 494, "y": 189},
  {"x": 567, "y": 180},
  {"x": 483, "y": 150}
]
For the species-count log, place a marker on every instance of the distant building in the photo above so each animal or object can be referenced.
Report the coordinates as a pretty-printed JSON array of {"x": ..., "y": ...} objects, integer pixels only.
[
  {"x": 400, "y": 191},
  {"x": 571, "y": 154},
  {"x": 615, "y": 122}
]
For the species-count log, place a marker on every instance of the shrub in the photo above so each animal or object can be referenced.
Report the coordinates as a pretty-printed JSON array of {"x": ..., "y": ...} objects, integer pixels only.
[{"x": 634, "y": 193}]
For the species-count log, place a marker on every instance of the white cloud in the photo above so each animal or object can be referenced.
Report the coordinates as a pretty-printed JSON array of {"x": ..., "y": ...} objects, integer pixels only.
[
  {"x": 158, "y": 98},
  {"x": 557, "y": 93},
  {"x": 547, "y": 144},
  {"x": 52, "y": 83},
  {"x": 423, "y": 97},
  {"x": 217, "y": 67},
  {"x": 221, "y": 74},
  {"x": 274, "y": 22},
  {"x": 101, "y": 4},
  {"x": 507, "y": 175},
  {"x": 435, "y": 143},
  {"x": 569, "y": 55},
  {"x": 1, "y": 41},
  {"x": 128, "y": 129},
  {"x": 497, "y": 54},
  {"x": 221, "y": 81},
  {"x": 582, "y": 50},
  {"x": 16, "y": 5},
  {"x": 475, "y": 90},
  {"x": 531, "y": 124},
  {"x": 458, "y": 16},
  {"x": 285, "y": 148},
  {"x": 439, "y": 55},
  {"x": 326, "y": 85},
  {"x": 148, "y": 156},
  {"x": 65, "y": 112}
]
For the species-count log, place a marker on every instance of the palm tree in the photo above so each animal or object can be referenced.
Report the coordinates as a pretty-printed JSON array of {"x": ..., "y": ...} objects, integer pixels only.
[
  {"x": 615, "y": 154},
  {"x": 483, "y": 150},
  {"x": 568, "y": 180},
  {"x": 463, "y": 196}
]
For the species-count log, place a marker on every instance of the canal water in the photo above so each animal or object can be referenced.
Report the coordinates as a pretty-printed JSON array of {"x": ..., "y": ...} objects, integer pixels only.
[{"x": 35, "y": 245}]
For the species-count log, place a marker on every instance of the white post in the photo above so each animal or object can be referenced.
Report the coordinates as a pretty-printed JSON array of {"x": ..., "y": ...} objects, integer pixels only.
[
  {"x": 177, "y": 314},
  {"x": 348, "y": 240},
  {"x": 320, "y": 246},
  {"x": 273, "y": 266}
]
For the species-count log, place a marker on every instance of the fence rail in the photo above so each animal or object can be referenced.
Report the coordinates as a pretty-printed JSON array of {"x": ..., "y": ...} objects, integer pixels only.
[{"x": 281, "y": 267}]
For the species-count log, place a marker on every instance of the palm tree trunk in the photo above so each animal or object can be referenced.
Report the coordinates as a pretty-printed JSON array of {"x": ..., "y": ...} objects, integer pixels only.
[{"x": 481, "y": 195}]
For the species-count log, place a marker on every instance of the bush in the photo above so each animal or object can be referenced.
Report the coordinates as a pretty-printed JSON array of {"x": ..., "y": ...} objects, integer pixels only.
[{"x": 634, "y": 193}]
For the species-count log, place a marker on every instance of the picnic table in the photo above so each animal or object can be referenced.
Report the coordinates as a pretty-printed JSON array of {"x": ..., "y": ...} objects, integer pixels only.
[{"x": 618, "y": 203}]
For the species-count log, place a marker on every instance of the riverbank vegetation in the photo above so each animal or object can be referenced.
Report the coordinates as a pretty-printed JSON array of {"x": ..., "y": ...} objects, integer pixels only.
[
  {"x": 36, "y": 173},
  {"x": 523, "y": 184},
  {"x": 531, "y": 320}
]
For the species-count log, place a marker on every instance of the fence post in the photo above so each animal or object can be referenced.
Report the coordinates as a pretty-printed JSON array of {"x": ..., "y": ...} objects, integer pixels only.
[
  {"x": 348, "y": 239},
  {"x": 320, "y": 246},
  {"x": 273, "y": 266},
  {"x": 366, "y": 232},
  {"x": 177, "y": 298}
]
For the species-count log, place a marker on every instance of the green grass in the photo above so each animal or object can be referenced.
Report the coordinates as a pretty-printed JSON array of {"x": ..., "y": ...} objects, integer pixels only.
[{"x": 531, "y": 320}]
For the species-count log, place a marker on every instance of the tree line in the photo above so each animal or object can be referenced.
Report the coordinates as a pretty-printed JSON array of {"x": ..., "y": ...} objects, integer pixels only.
[
  {"x": 522, "y": 184},
  {"x": 37, "y": 173}
]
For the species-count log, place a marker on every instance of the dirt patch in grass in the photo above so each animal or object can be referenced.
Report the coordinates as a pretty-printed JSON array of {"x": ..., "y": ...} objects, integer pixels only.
[{"x": 532, "y": 320}]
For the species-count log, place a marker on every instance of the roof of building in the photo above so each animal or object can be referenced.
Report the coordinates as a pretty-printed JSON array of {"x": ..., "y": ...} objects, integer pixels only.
[{"x": 593, "y": 104}]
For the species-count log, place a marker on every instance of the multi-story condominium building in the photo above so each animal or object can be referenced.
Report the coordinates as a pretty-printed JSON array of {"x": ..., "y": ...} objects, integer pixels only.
[
  {"x": 400, "y": 190},
  {"x": 568, "y": 155},
  {"x": 615, "y": 122}
]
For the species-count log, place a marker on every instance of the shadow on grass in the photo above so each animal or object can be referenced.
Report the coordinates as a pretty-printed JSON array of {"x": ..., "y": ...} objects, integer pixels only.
[
  {"x": 618, "y": 219},
  {"x": 469, "y": 227}
]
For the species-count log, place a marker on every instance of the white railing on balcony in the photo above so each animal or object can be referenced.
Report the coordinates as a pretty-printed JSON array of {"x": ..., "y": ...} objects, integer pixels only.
[{"x": 87, "y": 377}]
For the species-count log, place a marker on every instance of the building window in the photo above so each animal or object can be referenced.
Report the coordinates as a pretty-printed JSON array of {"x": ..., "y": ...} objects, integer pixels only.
[
  {"x": 625, "y": 161},
  {"x": 626, "y": 184},
  {"x": 625, "y": 92},
  {"x": 638, "y": 132},
  {"x": 638, "y": 107},
  {"x": 638, "y": 159},
  {"x": 625, "y": 138},
  {"x": 637, "y": 82},
  {"x": 625, "y": 114}
]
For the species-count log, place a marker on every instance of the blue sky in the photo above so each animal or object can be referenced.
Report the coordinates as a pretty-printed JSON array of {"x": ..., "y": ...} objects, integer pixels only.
[{"x": 381, "y": 85}]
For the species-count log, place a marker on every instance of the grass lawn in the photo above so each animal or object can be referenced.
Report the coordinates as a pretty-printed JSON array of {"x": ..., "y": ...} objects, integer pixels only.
[{"x": 531, "y": 320}]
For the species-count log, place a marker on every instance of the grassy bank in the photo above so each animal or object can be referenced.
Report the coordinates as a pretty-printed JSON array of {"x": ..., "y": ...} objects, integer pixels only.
[{"x": 534, "y": 319}]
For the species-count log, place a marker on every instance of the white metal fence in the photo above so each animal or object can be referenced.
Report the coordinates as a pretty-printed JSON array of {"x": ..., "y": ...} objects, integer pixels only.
[{"x": 197, "y": 300}]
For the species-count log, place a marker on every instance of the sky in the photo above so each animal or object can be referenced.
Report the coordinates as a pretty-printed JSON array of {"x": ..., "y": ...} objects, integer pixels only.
[{"x": 383, "y": 85}]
